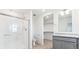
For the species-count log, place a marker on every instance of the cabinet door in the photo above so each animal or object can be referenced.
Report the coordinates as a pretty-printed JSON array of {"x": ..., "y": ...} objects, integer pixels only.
[
  {"x": 68, "y": 45},
  {"x": 78, "y": 43},
  {"x": 57, "y": 44}
]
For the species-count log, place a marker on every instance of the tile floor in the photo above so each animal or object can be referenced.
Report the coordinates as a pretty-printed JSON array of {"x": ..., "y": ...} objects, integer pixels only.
[{"x": 47, "y": 45}]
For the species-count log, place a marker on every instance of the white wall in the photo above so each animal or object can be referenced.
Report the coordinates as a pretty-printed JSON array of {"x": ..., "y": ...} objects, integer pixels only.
[
  {"x": 75, "y": 20},
  {"x": 12, "y": 13},
  {"x": 30, "y": 34},
  {"x": 28, "y": 17}
]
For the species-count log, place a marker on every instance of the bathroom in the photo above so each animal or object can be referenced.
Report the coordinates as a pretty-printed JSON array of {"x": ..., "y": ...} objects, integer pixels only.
[{"x": 39, "y": 29}]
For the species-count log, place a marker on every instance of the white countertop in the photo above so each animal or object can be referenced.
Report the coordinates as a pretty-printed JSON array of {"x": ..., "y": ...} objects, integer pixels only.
[{"x": 67, "y": 34}]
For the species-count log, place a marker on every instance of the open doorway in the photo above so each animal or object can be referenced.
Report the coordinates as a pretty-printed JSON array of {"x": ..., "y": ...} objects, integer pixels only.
[
  {"x": 48, "y": 30},
  {"x": 42, "y": 23}
]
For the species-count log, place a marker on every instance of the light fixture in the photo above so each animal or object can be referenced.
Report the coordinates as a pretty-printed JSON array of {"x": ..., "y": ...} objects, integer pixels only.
[
  {"x": 62, "y": 13},
  {"x": 67, "y": 11}
]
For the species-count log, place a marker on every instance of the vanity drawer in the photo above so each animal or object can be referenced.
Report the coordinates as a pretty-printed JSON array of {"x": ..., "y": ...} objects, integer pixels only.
[{"x": 64, "y": 38}]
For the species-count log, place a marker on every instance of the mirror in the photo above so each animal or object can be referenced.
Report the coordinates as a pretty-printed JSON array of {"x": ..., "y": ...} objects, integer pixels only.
[{"x": 65, "y": 21}]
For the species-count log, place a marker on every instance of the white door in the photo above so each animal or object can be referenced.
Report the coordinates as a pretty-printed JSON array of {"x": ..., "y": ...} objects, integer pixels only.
[{"x": 13, "y": 33}]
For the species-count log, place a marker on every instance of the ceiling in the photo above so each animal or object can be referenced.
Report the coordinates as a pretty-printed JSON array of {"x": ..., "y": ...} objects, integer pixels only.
[
  {"x": 22, "y": 11},
  {"x": 34, "y": 11},
  {"x": 27, "y": 12},
  {"x": 42, "y": 11}
]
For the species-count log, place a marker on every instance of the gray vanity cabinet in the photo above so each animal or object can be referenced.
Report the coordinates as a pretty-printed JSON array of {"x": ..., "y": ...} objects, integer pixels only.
[{"x": 64, "y": 43}]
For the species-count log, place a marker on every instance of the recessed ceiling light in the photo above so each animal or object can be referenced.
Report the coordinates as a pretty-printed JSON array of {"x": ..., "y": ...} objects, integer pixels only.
[
  {"x": 67, "y": 11},
  {"x": 62, "y": 13}
]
